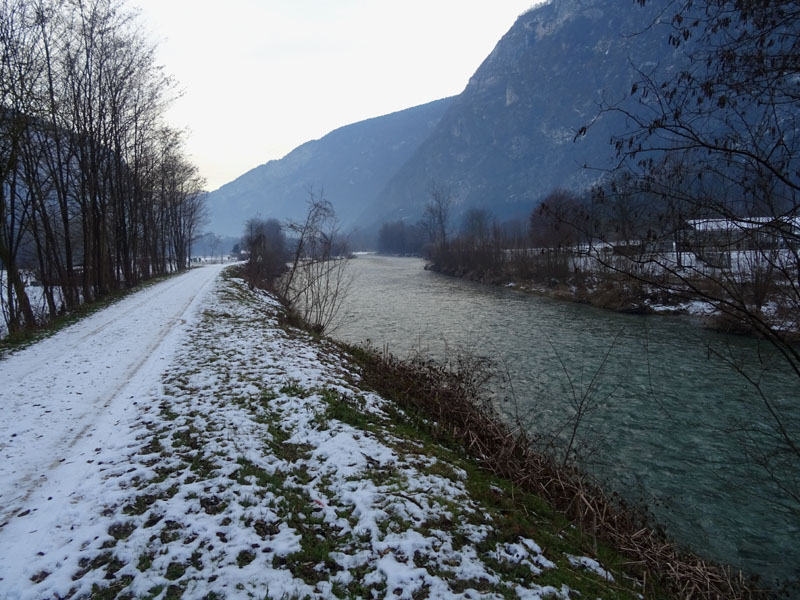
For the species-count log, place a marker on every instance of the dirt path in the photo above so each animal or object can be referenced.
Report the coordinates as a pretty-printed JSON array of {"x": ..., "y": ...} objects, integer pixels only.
[{"x": 59, "y": 391}]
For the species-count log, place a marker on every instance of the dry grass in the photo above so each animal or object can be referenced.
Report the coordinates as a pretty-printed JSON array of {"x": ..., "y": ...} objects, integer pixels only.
[{"x": 450, "y": 398}]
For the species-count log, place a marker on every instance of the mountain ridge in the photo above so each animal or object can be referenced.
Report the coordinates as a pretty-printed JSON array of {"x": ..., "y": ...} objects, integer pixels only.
[
  {"x": 349, "y": 164},
  {"x": 510, "y": 137}
]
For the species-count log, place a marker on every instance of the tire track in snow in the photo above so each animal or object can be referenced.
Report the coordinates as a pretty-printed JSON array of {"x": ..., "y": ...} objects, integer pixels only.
[
  {"x": 47, "y": 406},
  {"x": 107, "y": 321}
]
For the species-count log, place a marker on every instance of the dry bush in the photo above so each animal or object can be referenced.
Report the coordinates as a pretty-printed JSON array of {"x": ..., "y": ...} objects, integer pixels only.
[{"x": 453, "y": 396}]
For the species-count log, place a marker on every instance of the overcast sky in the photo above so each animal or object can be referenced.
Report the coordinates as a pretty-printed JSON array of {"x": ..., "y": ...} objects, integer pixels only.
[{"x": 260, "y": 77}]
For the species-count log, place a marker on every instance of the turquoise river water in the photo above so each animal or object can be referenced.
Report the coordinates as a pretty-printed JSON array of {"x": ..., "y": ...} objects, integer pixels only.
[{"x": 668, "y": 415}]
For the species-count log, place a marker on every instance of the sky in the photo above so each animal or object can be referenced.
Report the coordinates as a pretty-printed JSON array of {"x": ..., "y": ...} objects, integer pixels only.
[{"x": 260, "y": 77}]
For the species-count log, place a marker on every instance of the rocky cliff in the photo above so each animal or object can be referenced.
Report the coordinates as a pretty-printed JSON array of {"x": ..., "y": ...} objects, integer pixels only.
[{"x": 509, "y": 138}]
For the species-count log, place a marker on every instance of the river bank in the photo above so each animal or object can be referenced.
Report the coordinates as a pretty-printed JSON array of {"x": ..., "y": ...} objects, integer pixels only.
[{"x": 625, "y": 295}]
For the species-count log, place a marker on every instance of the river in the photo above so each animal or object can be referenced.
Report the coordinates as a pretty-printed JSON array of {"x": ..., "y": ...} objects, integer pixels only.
[{"x": 666, "y": 411}]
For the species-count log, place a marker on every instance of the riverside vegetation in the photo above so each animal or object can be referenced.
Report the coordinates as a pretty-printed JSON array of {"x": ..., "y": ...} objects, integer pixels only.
[{"x": 450, "y": 404}]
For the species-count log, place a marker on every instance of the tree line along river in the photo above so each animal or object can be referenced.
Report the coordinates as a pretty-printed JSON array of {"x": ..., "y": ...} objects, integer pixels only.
[{"x": 669, "y": 415}]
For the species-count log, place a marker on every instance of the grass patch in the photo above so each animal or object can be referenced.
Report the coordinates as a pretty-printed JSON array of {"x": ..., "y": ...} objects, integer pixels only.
[
  {"x": 293, "y": 388},
  {"x": 213, "y": 505},
  {"x": 174, "y": 592},
  {"x": 145, "y": 561},
  {"x": 114, "y": 590},
  {"x": 312, "y": 563},
  {"x": 244, "y": 558},
  {"x": 251, "y": 474},
  {"x": 170, "y": 532},
  {"x": 175, "y": 570},
  {"x": 349, "y": 410},
  {"x": 153, "y": 447},
  {"x": 202, "y": 466},
  {"x": 121, "y": 531}
]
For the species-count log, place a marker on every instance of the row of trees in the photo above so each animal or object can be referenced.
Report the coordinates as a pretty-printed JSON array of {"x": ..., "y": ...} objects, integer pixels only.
[{"x": 96, "y": 193}]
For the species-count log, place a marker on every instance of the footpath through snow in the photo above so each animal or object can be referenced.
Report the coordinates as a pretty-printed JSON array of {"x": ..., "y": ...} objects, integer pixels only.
[
  {"x": 78, "y": 384},
  {"x": 182, "y": 444}
]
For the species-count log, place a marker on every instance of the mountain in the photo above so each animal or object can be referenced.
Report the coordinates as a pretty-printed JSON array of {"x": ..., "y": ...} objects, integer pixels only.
[
  {"x": 503, "y": 144},
  {"x": 352, "y": 164},
  {"x": 508, "y": 139}
]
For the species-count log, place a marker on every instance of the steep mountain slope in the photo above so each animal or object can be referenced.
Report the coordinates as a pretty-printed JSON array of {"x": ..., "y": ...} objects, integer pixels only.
[
  {"x": 507, "y": 140},
  {"x": 352, "y": 164}
]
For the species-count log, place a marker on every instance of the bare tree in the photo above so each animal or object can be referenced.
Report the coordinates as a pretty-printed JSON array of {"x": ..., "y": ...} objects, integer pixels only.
[
  {"x": 316, "y": 281},
  {"x": 559, "y": 222},
  {"x": 215, "y": 245},
  {"x": 19, "y": 68},
  {"x": 436, "y": 218},
  {"x": 476, "y": 226},
  {"x": 265, "y": 243},
  {"x": 714, "y": 148}
]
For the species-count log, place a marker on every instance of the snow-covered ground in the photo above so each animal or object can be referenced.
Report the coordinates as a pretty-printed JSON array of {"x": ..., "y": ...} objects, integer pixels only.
[
  {"x": 182, "y": 444},
  {"x": 79, "y": 383},
  {"x": 35, "y": 297}
]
